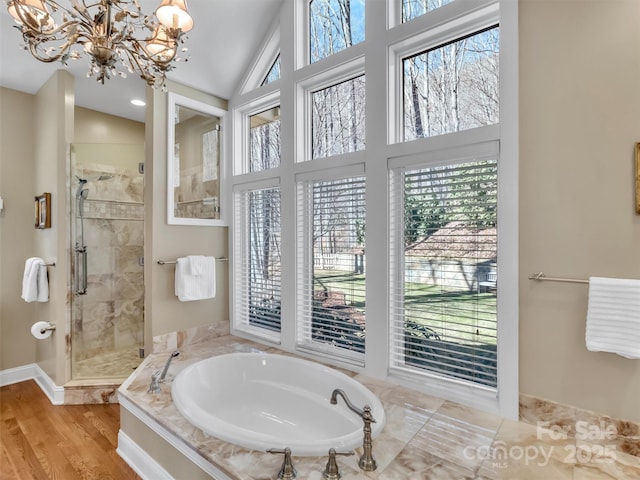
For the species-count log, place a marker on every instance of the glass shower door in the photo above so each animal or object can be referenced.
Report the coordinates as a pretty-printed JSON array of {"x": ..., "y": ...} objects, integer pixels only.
[{"x": 107, "y": 269}]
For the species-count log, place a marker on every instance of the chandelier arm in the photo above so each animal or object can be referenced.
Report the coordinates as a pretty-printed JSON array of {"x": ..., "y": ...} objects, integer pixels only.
[
  {"x": 77, "y": 11},
  {"x": 142, "y": 68},
  {"x": 33, "y": 48},
  {"x": 150, "y": 56}
]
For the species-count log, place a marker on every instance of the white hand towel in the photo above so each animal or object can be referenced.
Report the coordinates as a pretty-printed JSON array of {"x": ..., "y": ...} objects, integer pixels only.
[
  {"x": 197, "y": 264},
  {"x": 613, "y": 316},
  {"x": 190, "y": 287},
  {"x": 35, "y": 284}
]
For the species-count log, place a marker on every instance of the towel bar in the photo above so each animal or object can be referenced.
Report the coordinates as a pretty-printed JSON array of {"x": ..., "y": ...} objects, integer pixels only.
[
  {"x": 540, "y": 276},
  {"x": 173, "y": 262},
  {"x": 52, "y": 264}
]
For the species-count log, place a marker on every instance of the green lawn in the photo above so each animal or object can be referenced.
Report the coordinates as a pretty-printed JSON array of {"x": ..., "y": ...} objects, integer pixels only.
[{"x": 458, "y": 316}]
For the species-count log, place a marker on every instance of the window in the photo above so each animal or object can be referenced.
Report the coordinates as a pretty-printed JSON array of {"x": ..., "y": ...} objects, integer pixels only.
[
  {"x": 444, "y": 316},
  {"x": 415, "y": 8},
  {"x": 274, "y": 72},
  {"x": 453, "y": 87},
  {"x": 338, "y": 118},
  {"x": 265, "y": 140},
  {"x": 257, "y": 227},
  {"x": 386, "y": 164},
  {"x": 332, "y": 282},
  {"x": 333, "y": 26}
]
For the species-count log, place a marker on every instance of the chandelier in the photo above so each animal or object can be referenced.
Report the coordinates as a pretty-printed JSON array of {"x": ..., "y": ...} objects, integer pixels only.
[{"x": 113, "y": 33}]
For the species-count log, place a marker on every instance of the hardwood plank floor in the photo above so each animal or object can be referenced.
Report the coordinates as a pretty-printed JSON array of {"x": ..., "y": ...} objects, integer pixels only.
[{"x": 40, "y": 441}]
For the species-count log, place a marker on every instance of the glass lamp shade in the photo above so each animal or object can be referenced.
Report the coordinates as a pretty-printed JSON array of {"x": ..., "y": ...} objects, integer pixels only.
[
  {"x": 162, "y": 47},
  {"x": 34, "y": 11},
  {"x": 174, "y": 14}
]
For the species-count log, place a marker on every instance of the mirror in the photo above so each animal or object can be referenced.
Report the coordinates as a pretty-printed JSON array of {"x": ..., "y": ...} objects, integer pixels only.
[{"x": 195, "y": 170}]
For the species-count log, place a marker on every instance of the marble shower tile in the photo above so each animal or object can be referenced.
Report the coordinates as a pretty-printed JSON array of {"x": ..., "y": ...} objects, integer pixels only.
[
  {"x": 129, "y": 285},
  {"x": 128, "y": 232}
]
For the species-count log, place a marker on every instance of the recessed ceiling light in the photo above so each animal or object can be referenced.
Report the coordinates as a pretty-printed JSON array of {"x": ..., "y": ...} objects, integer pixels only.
[{"x": 138, "y": 103}]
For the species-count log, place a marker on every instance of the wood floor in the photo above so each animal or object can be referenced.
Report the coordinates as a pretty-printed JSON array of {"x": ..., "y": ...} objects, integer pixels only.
[{"x": 41, "y": 441}]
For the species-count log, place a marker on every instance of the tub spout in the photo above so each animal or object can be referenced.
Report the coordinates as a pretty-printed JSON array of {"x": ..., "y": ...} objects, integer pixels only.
[
  {"x": 166, "y": 366},
  {"x": 367, "y": 462},
  {"x": 352, "y": 407}
]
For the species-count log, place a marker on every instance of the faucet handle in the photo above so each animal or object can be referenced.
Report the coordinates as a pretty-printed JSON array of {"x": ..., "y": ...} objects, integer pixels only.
[
  {"x": 154, "y": 387},
  {"x": 331, "y": 471},
  {"x": 287, "y": 472}
]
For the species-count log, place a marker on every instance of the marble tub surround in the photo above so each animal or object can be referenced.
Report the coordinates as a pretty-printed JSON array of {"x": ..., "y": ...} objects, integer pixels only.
[
  {"x": 424, "y": 437},
  {"x": 185, "y": 338},
  {"x": 582, "y": 425}
]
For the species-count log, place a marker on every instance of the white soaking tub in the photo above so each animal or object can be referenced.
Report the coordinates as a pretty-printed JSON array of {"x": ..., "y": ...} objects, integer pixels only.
[{"x": 261, "y": 401}]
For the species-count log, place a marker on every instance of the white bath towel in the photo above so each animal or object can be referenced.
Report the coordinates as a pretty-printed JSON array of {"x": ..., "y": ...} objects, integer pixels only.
[
  {"x": 200, "y": 285},
  {"x": 613, "y": 316},
  {"x": 35, "y": 282}
]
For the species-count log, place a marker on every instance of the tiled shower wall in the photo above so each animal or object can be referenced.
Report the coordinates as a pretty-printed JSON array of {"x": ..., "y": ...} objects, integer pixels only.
[{"x": 107, "y": 323}]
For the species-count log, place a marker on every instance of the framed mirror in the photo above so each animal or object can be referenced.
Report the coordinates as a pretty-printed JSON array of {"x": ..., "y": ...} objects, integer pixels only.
[{"x": 195, "y": 169}]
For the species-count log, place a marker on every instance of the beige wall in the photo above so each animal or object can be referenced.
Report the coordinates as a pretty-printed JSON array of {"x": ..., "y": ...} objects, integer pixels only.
[
  {"x": 17, "y": 188},
  {"x": 579, "y": 120},
  {"x": 97, "y": 127},
  {"x": 168, "y": 242},
  {"x": 53, "y": 126}
]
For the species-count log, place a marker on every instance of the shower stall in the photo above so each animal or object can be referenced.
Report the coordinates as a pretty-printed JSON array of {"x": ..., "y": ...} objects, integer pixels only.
[{"x": 107, "y": 283}]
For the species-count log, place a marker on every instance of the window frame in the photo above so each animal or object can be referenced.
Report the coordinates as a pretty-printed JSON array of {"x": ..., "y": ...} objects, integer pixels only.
[
  {"x": 304, "y": 254},
  {"x": 304, "y": 108},
  {"x": 473, "y": 152},
  {"x": 240, "y": 246}
]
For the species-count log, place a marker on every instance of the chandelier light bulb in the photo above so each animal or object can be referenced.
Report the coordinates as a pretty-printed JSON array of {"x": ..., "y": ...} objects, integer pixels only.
[{"x": 174, "y": 14}]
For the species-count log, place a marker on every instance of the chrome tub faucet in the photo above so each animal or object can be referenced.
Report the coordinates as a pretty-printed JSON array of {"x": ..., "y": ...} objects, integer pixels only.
[{"x": 367, "y": 462}]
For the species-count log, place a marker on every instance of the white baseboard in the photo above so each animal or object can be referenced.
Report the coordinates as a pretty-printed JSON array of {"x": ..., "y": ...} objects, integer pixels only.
[
  {"x": 139, "y": 460},
  {"x": 34, "y": 372},
  {"x": 17, "y": 375}
]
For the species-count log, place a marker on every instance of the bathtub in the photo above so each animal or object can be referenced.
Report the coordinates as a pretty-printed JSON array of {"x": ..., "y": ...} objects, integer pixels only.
[{"x": 261, "y": 401}]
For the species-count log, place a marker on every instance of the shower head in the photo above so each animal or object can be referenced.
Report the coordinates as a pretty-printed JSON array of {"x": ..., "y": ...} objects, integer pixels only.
[{"x": 81, "y": 191}]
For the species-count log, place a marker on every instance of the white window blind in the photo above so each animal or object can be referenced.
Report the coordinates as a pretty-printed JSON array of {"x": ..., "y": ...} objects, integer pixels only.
[
  {"x": 444, "y": 287},
  {"x": 331, "y": 239},
  {"x": 257, "y": 243}
]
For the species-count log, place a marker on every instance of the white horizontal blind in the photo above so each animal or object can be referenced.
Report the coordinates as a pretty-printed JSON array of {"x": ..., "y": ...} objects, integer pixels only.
[
  {"x": 258, "y": 283},
  {"x": 331, "y": 239},
  {"x": 444, "y": 291}
]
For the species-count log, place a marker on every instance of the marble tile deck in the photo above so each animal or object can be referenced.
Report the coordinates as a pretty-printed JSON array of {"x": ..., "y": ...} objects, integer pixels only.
[{"x": 424, "y": 438}]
